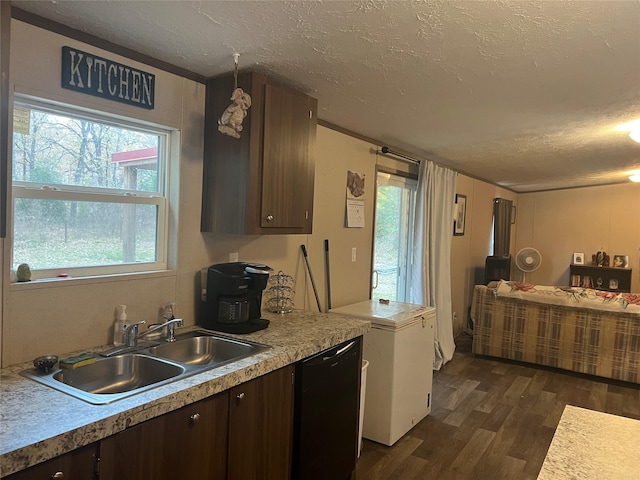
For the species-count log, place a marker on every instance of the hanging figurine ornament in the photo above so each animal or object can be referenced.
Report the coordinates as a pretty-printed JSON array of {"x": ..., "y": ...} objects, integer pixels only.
[{"x": 230, "y": 122}]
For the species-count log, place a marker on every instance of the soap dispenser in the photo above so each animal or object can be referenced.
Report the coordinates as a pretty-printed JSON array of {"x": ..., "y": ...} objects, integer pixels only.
[
  {"x": 169, "y": 311},
  {"x": 120, "y": 326}
]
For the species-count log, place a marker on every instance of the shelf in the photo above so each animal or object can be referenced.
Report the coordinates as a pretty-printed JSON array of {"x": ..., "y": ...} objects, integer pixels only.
[
  {"x": 595, "y": 267},
  {"x": 609, "y": 279}
]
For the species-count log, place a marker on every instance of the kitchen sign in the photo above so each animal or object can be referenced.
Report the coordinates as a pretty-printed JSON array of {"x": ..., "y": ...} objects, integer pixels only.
[{"x": 97, "y": 76}]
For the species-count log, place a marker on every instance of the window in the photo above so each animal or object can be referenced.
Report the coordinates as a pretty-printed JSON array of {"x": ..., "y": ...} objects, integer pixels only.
[
  {"x": 393, "y": 237},
  {"x": 88, "y": 192}
]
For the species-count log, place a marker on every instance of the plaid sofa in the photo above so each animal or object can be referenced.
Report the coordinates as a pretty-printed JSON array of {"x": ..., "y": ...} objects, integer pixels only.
[{"x": 586, "y": 340}]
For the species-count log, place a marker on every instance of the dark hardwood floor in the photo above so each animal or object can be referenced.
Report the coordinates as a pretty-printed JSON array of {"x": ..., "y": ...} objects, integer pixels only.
[{"x": 491, "y": 419}]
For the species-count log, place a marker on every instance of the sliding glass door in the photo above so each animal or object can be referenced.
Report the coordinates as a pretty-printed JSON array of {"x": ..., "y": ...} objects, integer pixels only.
[{"x": 393, "y": 237}]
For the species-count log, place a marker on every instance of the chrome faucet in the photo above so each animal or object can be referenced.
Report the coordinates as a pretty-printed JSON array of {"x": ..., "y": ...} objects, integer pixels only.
[
  {"x": 131, "y": 334},
  {"x": 169, "y": 325}
]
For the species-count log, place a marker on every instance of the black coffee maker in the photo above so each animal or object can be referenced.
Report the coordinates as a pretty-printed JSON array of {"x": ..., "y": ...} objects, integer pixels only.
[{"x": 233, "y": 296}]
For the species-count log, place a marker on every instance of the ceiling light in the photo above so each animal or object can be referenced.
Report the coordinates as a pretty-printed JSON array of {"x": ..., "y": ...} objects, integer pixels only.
[
  {"x": 633, "y": 128},
  {"x": 628, "y": 126}
]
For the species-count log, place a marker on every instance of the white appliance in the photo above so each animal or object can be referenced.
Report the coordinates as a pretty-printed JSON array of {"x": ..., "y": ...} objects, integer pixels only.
[{"x": 400, "y": 351}]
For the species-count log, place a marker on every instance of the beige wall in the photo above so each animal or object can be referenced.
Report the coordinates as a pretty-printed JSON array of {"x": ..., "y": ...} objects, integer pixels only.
[
  {"x": 63, "y": 316},
  {"x": 557, "y": 223},
  {"x": 469, "y": 251},
  {"x": 75, "y": 314},
  {"x": 336, "y": 153},
  {"x": 585, "y": 220}
]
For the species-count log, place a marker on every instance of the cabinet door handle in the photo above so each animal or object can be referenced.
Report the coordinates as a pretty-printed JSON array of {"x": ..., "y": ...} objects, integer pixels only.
[
  {"x": 240, "y": 396},
  {"x": 195, "y": 417},
  {"x": 57, "y": 475},
  {"x": 269, "y": 218}
]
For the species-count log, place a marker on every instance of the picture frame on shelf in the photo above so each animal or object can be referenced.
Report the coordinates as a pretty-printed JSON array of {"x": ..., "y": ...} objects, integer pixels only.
[
  {"x": 460, "y": 219},
  {"x": 621, "y": 261},
  {"x": 613, "y": 284},
  {"x": 578, "y": 258}
]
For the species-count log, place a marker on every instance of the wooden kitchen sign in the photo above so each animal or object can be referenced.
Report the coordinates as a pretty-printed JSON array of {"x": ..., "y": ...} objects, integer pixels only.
[{"x": 97, "y": 76}]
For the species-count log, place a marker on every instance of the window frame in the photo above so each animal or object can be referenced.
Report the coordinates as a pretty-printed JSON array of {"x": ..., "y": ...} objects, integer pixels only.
[{"x": 160, "y": 198}]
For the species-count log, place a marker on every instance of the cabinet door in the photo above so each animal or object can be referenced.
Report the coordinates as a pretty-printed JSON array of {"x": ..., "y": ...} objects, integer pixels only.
[
  {"x": 187, "y": 444},
  {"x": 288, "y": 166},
  {"x": 261, "y": 427},
  {"x": 76, "y": 465},
  {"x": 262, "y": 182}
]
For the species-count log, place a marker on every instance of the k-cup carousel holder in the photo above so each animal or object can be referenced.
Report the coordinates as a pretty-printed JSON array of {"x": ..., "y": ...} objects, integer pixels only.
[{"x": 280, "y": 293}]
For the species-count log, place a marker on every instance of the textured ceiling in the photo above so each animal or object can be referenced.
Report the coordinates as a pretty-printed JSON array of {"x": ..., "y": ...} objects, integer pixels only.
[{"x": 525, "y": 94}]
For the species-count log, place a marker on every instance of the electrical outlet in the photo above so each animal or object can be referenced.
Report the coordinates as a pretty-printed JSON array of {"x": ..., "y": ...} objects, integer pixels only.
[
  {"x": 233, "y": 257},
  {"x": 353, "y": 254}
]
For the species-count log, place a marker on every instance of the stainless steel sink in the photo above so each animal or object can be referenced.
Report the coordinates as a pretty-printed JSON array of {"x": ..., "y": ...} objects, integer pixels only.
[
  {"x": 113, "y": 378},
  {"x": 119, "y": 374},
  {"x": 110, "y": 379},
  {"x": 204, "y": 350}
]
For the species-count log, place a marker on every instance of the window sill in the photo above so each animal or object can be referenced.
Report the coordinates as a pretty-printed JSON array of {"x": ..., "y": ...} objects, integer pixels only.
[{"x": 57, "y": 282}]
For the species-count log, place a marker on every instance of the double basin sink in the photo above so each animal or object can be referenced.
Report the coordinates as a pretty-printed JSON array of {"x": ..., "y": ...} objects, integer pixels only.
[{"x": 116, "y": 377}]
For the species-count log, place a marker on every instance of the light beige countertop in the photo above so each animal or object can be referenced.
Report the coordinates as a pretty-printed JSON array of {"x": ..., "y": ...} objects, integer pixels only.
[
  {"x": 38, "y": 423},
  {"x": 593, "y": 445}
]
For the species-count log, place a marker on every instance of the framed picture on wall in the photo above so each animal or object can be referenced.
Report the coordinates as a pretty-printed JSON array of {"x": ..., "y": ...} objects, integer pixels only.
[
  {"x": 459, "y": 221},
  {"x": 578, "y": 258}
]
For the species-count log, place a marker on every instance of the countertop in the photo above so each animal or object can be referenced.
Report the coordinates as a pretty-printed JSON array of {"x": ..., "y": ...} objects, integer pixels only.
[
  {"x": 592, "y": 445},
  {"x": 38, "y": 423}
]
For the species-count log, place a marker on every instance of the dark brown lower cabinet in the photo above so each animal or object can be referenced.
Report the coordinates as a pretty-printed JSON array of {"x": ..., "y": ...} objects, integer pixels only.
[
  {"x": 261, "y": 427},
  {"x": 76, "y": 465},
  {"x": 187, "y": 444},
  {"x": 241, "y": 434}
]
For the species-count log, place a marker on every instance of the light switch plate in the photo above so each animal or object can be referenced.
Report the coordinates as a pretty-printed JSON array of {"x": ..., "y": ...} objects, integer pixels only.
[
  {"x": 353, "y": 254},
  {"x": 233, "y": 257}
]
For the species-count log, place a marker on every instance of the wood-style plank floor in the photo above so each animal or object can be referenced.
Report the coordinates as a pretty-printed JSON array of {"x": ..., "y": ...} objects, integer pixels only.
[{"x": 491, "y": 419}]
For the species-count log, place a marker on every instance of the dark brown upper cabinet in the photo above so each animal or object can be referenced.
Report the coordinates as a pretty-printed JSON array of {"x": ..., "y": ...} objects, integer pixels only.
[{"x": 262, "y": 182}]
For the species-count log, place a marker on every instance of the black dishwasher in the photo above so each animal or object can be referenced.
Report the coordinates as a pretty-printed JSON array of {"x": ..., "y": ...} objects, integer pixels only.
[{"x": 327, "y": 403}]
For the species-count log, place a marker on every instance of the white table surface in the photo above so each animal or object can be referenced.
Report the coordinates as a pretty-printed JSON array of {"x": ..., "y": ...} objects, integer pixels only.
[{"x": 593, "y": 445}]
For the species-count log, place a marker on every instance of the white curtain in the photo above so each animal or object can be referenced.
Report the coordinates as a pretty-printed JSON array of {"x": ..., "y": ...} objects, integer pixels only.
[{"x": 432, "y": 252}]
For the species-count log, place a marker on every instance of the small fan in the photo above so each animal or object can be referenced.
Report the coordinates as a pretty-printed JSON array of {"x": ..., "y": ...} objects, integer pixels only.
[{"x": 528, "y": 260}]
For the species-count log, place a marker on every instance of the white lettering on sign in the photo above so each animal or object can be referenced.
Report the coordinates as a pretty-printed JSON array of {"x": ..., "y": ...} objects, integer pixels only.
[
  {"x": 124, "y": 82},
  {"x": 147, "y": 83},
  {"x": 89, "y": 64},
  {"x": 75, "y": 69},
  {"x": 100, "y": 77},
  {"x": 135, "y": 86},
  {"x": 101, "y": 67},
  {"x": 113, "y": 75}
]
